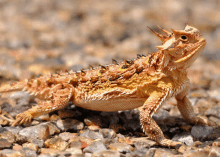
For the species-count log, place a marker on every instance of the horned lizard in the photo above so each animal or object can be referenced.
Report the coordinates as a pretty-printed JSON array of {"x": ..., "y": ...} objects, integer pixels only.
[{"x": 145, "y": 82}]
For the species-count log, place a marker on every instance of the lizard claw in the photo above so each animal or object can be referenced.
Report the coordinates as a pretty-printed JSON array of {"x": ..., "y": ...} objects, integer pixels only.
[{"x": 22, "y": 118}]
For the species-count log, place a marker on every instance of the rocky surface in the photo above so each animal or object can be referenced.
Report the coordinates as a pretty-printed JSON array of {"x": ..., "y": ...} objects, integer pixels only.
[{"x": 38, "y": 37}]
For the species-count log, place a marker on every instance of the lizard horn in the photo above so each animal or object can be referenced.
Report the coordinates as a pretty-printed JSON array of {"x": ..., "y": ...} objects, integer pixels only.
[
  {"x": 164, "y": 30},
  {"x": 160, "y": 36},
  {"x": 175, "y": 32}
]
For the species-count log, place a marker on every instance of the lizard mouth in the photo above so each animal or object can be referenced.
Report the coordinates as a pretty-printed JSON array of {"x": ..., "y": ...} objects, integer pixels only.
[{"x": 195, "y": 51}]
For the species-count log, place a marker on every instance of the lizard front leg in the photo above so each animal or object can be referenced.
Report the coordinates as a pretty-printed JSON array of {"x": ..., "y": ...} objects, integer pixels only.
[
  {"x": 186, "y": 110},
  {"x": 59, "y": 99},
  {"x": 149, "y": 126}
]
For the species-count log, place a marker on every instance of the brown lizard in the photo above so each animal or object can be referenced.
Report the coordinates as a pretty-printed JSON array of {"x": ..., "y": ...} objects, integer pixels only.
[{"x": 144, "y": 82}]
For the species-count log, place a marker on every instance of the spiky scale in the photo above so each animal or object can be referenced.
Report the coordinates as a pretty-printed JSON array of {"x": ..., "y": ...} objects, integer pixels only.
[{"x": 114, "y": 62}]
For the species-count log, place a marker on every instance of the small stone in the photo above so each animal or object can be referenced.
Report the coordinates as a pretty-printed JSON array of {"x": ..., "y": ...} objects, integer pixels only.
[
  {"x": 214, "y": 152},
  {"x": 75, "y": 144},
  {"x": 120, "y": 147},
  {"x": 66, "y": 113},
  {"x": 44, "y": 117},
  {"x": 161, "y": 115},
  {"x": 187, "y": 128},
  {"x": 4, "y": 144},
  {"x": 183, "y": 148},
  {"x": 204, "y": 105},
  {"x": 94, "y": 127},
  {"x": 17, "y": 147},
  {"x": 41, "y": 131},
  {"x": 164, "y": 151},
  {"x": 92, "y": 135},
  {"x": 193, "y": 101},
  {"x": 116, "y": 127},
  {"x": 108, "y": 133},
  {"x": 49, "y": 151},
  {"x": 125, "y": 140},
  {"x": 75, "y": 151},
  {"x": 214, "y": 111},
  {"x": 215, "y": 94},
  {"x": 56, "y": 143},
  {"x": 201, "y": 132},
  {"x": 21, "y": 139},
  {"x": 106, "y": 153},
  {"x": 84, "y": 140},
  {"x": 174, "y": 112},
  {"x": 94, "y": 120},
  {"x": 150, "y": 152},
  {"x": 194, "y": 153},
  {"x": 138, "y": 153},
  {"x": 31, "y": 146},
  {"x": 14, "y": 129},
  {"x": 184, "y": 137},
  {"x": 95, "y": 147},
  {"x": 70, "y": 124},
  {"x": 9, "y": 136},
  {"x": 143, "y": 142},
  {"x": 38, "y": 142},
  {"x": 201, "y": 93},
  {"x": 29, "y": 152},
  {"x": 11, "y": 153},
  {"x": 66, "y": 136}
]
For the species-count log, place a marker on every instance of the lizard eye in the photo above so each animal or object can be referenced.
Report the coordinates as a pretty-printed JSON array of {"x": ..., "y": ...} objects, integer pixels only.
[{"x": 184, "y": 37}]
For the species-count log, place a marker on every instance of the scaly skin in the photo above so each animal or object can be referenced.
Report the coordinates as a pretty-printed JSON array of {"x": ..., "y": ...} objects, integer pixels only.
[{"x": 146, "y": 81}]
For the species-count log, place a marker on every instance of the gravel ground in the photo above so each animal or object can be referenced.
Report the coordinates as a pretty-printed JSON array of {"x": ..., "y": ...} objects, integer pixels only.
[{"x": 38, "y": 37}]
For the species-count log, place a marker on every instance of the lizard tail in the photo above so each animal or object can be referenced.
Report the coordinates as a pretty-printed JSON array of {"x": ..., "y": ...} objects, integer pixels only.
[{"x": 18, "y": 86}]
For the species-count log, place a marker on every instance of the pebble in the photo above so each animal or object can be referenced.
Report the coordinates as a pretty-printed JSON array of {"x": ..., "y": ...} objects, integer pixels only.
[
  {"x": 41, "y": 39},
  {"x": 108, "y": 133},
  {"x": 92, "y": 135},
  {"x": 29, "y": 152},
  {"x": 214, "y": 152},
  {"x": 120, "y": 147},
  {"x": 4, "y": 144},
  {"x": 143, "y": 142},
  {"x": 41, "y": 131},
  {"x": 9, "y": 152},
  {"x": 95, "y": 147},
  {"x": 201, "y": 132},
  {"x": 56, "y": 143},
  {"x": 215, "y": 94},
  {"x": 9, "y": 136},
  {"x": 106, "y": 153},
  {"x": 66, "y": 136},
  {"x": 164, "y": 152},
  {"x": 70, "y": 125},
  {"x": 184, "y": 137}
]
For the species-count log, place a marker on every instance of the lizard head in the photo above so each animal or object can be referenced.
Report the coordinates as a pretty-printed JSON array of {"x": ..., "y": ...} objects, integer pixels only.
[{"x": 182, "y": 46}]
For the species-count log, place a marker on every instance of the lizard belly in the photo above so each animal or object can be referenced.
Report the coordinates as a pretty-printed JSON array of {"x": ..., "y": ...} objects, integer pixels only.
[{"x": 110, "y": 105}]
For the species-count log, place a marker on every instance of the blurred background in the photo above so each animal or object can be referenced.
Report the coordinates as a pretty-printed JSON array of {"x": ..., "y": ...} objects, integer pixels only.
[{"x": 43, "y": 36}]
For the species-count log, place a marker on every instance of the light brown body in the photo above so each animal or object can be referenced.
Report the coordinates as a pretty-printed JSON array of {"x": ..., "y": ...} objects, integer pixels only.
[{"x": 145, "y": 81}]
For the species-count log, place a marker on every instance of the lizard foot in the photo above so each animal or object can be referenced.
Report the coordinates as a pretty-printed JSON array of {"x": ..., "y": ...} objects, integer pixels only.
[
  {"x": 204, "y": 121},
  {"x": 7, "y": 117},
  {"x": 22, "y": 118},
  {"x": 169, "y": 143}
]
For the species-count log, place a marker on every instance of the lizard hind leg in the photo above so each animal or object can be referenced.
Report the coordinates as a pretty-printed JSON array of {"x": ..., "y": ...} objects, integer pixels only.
[{"x": 59, "y": 99}]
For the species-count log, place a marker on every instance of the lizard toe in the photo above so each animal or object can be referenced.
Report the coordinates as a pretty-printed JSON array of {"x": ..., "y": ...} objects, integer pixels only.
[
  {"x": 22, "y": 118},
  {"x": 169, "y": 143}
]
